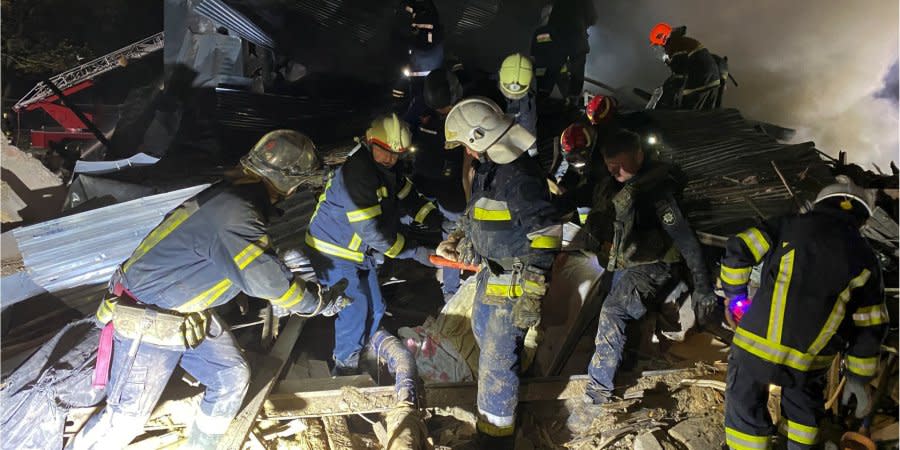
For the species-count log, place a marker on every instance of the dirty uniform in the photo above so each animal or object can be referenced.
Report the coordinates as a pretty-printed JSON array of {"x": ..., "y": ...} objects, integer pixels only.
[
  {"x": 437, "y": 175},
  {"x": 820, "y": 293},
  {"x": 513, "y": 226},
  {"x": 356, "y": 224},
  {"x": 524, "y": 112},
  {"x": 205, "y": 252},
  {"x": 696, "y": 80},
  {"x": 648, "y": 235}
]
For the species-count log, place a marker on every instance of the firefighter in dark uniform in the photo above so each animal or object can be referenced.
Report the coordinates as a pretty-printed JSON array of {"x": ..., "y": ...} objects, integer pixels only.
[
  {"x": 560, "y": 47},
  {"x": 637, "y": 222},
  {"x": 437, "y": 171},
  {"x": 357, "y": 224},
  {"x": 512, "y": 228},
  {"x": 425, "y": 42},
  {"x": 205, "y": 252},
  {"x": 820, "y": 293},
  {"x": 698, "y": 76}
]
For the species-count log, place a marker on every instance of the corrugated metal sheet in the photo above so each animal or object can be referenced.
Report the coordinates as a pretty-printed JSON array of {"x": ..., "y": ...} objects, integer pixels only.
[
  {"x": 234, "y": 21},
  {"x": 476, "y": 14},
  {"x": 84, "y": 249},
  {"x": 729, "y": 164}
]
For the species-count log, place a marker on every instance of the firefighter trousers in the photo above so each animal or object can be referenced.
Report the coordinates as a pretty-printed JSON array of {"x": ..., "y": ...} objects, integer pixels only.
[
  {"x": 501, "y": 344},
  {"x": 359, "y": 321},
  {"x": 632, "y": 289},
  {"x": 747, "y": 421},
  {"x": 132, "y": 393}
]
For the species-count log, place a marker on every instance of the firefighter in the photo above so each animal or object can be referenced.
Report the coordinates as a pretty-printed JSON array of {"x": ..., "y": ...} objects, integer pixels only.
[
  {"x": 560, "y": 47},
  {"x": 425, "y": 40},
  {"x": 820, "y": 293},
  {"x": 575, "y": 174},
  {"x": 357, "y": 223},
  {"x": 637, "y": 222},
  {"x": 206, "y": 251},
  {"x": 698, "y": 76},
  {"x": 437, "y": 172},
  {"x": 515, "y": 82},
  {"x": 511, "y": 227}
]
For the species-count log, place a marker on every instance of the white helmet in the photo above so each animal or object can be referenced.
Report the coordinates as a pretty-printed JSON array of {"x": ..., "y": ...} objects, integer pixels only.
[
  {"x": 284, "y": 158},
  {"x": 848, "y": 190},
  {"x": 482, "y": 127}
]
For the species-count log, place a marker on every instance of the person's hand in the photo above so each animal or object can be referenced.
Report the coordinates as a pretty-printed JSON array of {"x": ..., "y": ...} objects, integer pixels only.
[
  {"x": 447, "y": 250},
  {"x": 856, "y": 388},
  {"x": 332, "y": 300},
  {"x": 466, "y": 251},
  {"x": 422, "y": 255},
  {"x": 704, "y": 304}
]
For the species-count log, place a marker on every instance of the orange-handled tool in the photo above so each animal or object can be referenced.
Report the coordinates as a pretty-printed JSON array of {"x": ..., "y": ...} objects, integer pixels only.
[{"x": 444, "y": 262}]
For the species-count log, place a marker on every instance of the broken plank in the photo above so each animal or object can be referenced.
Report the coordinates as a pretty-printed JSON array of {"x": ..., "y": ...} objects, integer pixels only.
[
  {"x": 323, "y": 384},
  {"x": 339, "y": 437},
  {"x": 348, "y": 400},
  {"x": 261, "y": 384}
]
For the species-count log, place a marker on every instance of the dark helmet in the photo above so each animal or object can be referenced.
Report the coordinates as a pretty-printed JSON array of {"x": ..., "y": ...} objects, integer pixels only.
[{"x": 442, "y": 89}]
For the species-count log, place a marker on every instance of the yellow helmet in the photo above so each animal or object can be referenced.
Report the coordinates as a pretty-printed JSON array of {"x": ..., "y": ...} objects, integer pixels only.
[
  {"x": 390, "y": 133},
  {"x": 516, "y": 75}
]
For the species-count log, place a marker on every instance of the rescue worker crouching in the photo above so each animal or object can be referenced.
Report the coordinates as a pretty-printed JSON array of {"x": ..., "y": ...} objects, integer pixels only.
[
  {"x": 820, "y": 293},
  {"x": 206, "y": 251},
  {"x": 637, "y": 222},
  {"x": 512, "y": 228},
  {"x": 357, "y": 223}
]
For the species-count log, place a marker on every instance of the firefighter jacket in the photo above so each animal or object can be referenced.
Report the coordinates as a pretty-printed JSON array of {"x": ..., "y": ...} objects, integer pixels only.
[
  {"x": 437, "y": 172},
  {"x": 206, "y": 251},
  {"x": 820, "y": 289},
  {"x": 695, "y": 79},
  {"x": 510, "y": 216},
  {"x": 359, "y": 213},
  {"x": 643, "y": 224}
]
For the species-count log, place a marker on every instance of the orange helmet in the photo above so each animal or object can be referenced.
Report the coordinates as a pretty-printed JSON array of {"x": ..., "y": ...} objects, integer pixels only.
[
  {"x": 659, "y": 34},
  {"x": 601, "y": 108}
]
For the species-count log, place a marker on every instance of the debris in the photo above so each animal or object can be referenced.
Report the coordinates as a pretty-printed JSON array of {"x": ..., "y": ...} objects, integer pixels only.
[
  {"x": 713, "y": 384},
  {"x": 699, "y": 433},
  {"x": 31, "y": 192},
  {"x": 647, "y": 441}
]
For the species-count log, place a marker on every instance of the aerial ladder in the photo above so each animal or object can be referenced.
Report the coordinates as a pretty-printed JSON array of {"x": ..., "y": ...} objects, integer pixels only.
[{"x": 43, "y": 96}]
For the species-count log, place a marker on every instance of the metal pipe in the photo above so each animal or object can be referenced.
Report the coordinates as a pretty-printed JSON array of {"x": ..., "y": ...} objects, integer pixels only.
[{"x": 400, "y": 363}]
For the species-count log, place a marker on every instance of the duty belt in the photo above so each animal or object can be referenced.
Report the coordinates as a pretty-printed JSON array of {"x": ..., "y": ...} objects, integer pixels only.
[{"x": 150, "y": 325}]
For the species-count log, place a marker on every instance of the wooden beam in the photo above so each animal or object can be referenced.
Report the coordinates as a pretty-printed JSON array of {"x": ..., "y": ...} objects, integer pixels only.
[
  {"x": 378, "y": 399},
  {"x": 264, "y": 377},
  {"x": 339, "y": 436}
]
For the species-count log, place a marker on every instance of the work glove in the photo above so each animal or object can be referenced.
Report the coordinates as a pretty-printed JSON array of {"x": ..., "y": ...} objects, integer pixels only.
[
  {"x": 704, "y": 304},
  {"x": 466, "y": 251},
  {"x": 195, "y": 327},
  {"x": 857, "y": 387},
  {"x": 526, "y": 311},
  {"x": 447, "y": 248},
  {"x": 330, "y": 300},
  {"x": 422, "y": 254}
]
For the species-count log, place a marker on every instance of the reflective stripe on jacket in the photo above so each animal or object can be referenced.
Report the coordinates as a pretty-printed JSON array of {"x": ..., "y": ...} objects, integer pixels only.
[
  {"x": 206, "y": 251},
  {"x": 820, "y": 287},
  {"x": 360, "y": 211},
  {"x": 510, "y": 214}
]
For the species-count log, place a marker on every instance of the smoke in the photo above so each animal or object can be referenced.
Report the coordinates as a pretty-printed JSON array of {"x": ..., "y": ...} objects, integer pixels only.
[{"x": 824, "y": 67}]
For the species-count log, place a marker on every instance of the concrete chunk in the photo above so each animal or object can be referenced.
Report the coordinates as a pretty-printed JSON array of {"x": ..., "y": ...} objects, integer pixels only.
[{"x": 699, "y": 433}]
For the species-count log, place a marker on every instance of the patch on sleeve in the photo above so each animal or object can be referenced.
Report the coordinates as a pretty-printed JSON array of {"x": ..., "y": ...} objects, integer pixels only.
[{"x": 669, "y": 217}]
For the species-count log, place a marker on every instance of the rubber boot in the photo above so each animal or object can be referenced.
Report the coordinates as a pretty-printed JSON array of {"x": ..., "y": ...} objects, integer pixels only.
[{"x": 486, "y": 441}]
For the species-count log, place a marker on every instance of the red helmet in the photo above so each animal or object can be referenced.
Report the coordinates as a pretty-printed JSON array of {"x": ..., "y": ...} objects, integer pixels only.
[
  {"x": 659, "y": 34},
  {"x": 601, "y": 108},
  {"x": 576, "y": 137}
]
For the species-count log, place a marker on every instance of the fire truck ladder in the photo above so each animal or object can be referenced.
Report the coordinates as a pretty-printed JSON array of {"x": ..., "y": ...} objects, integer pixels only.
[{"x": 88, "y": 71}]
